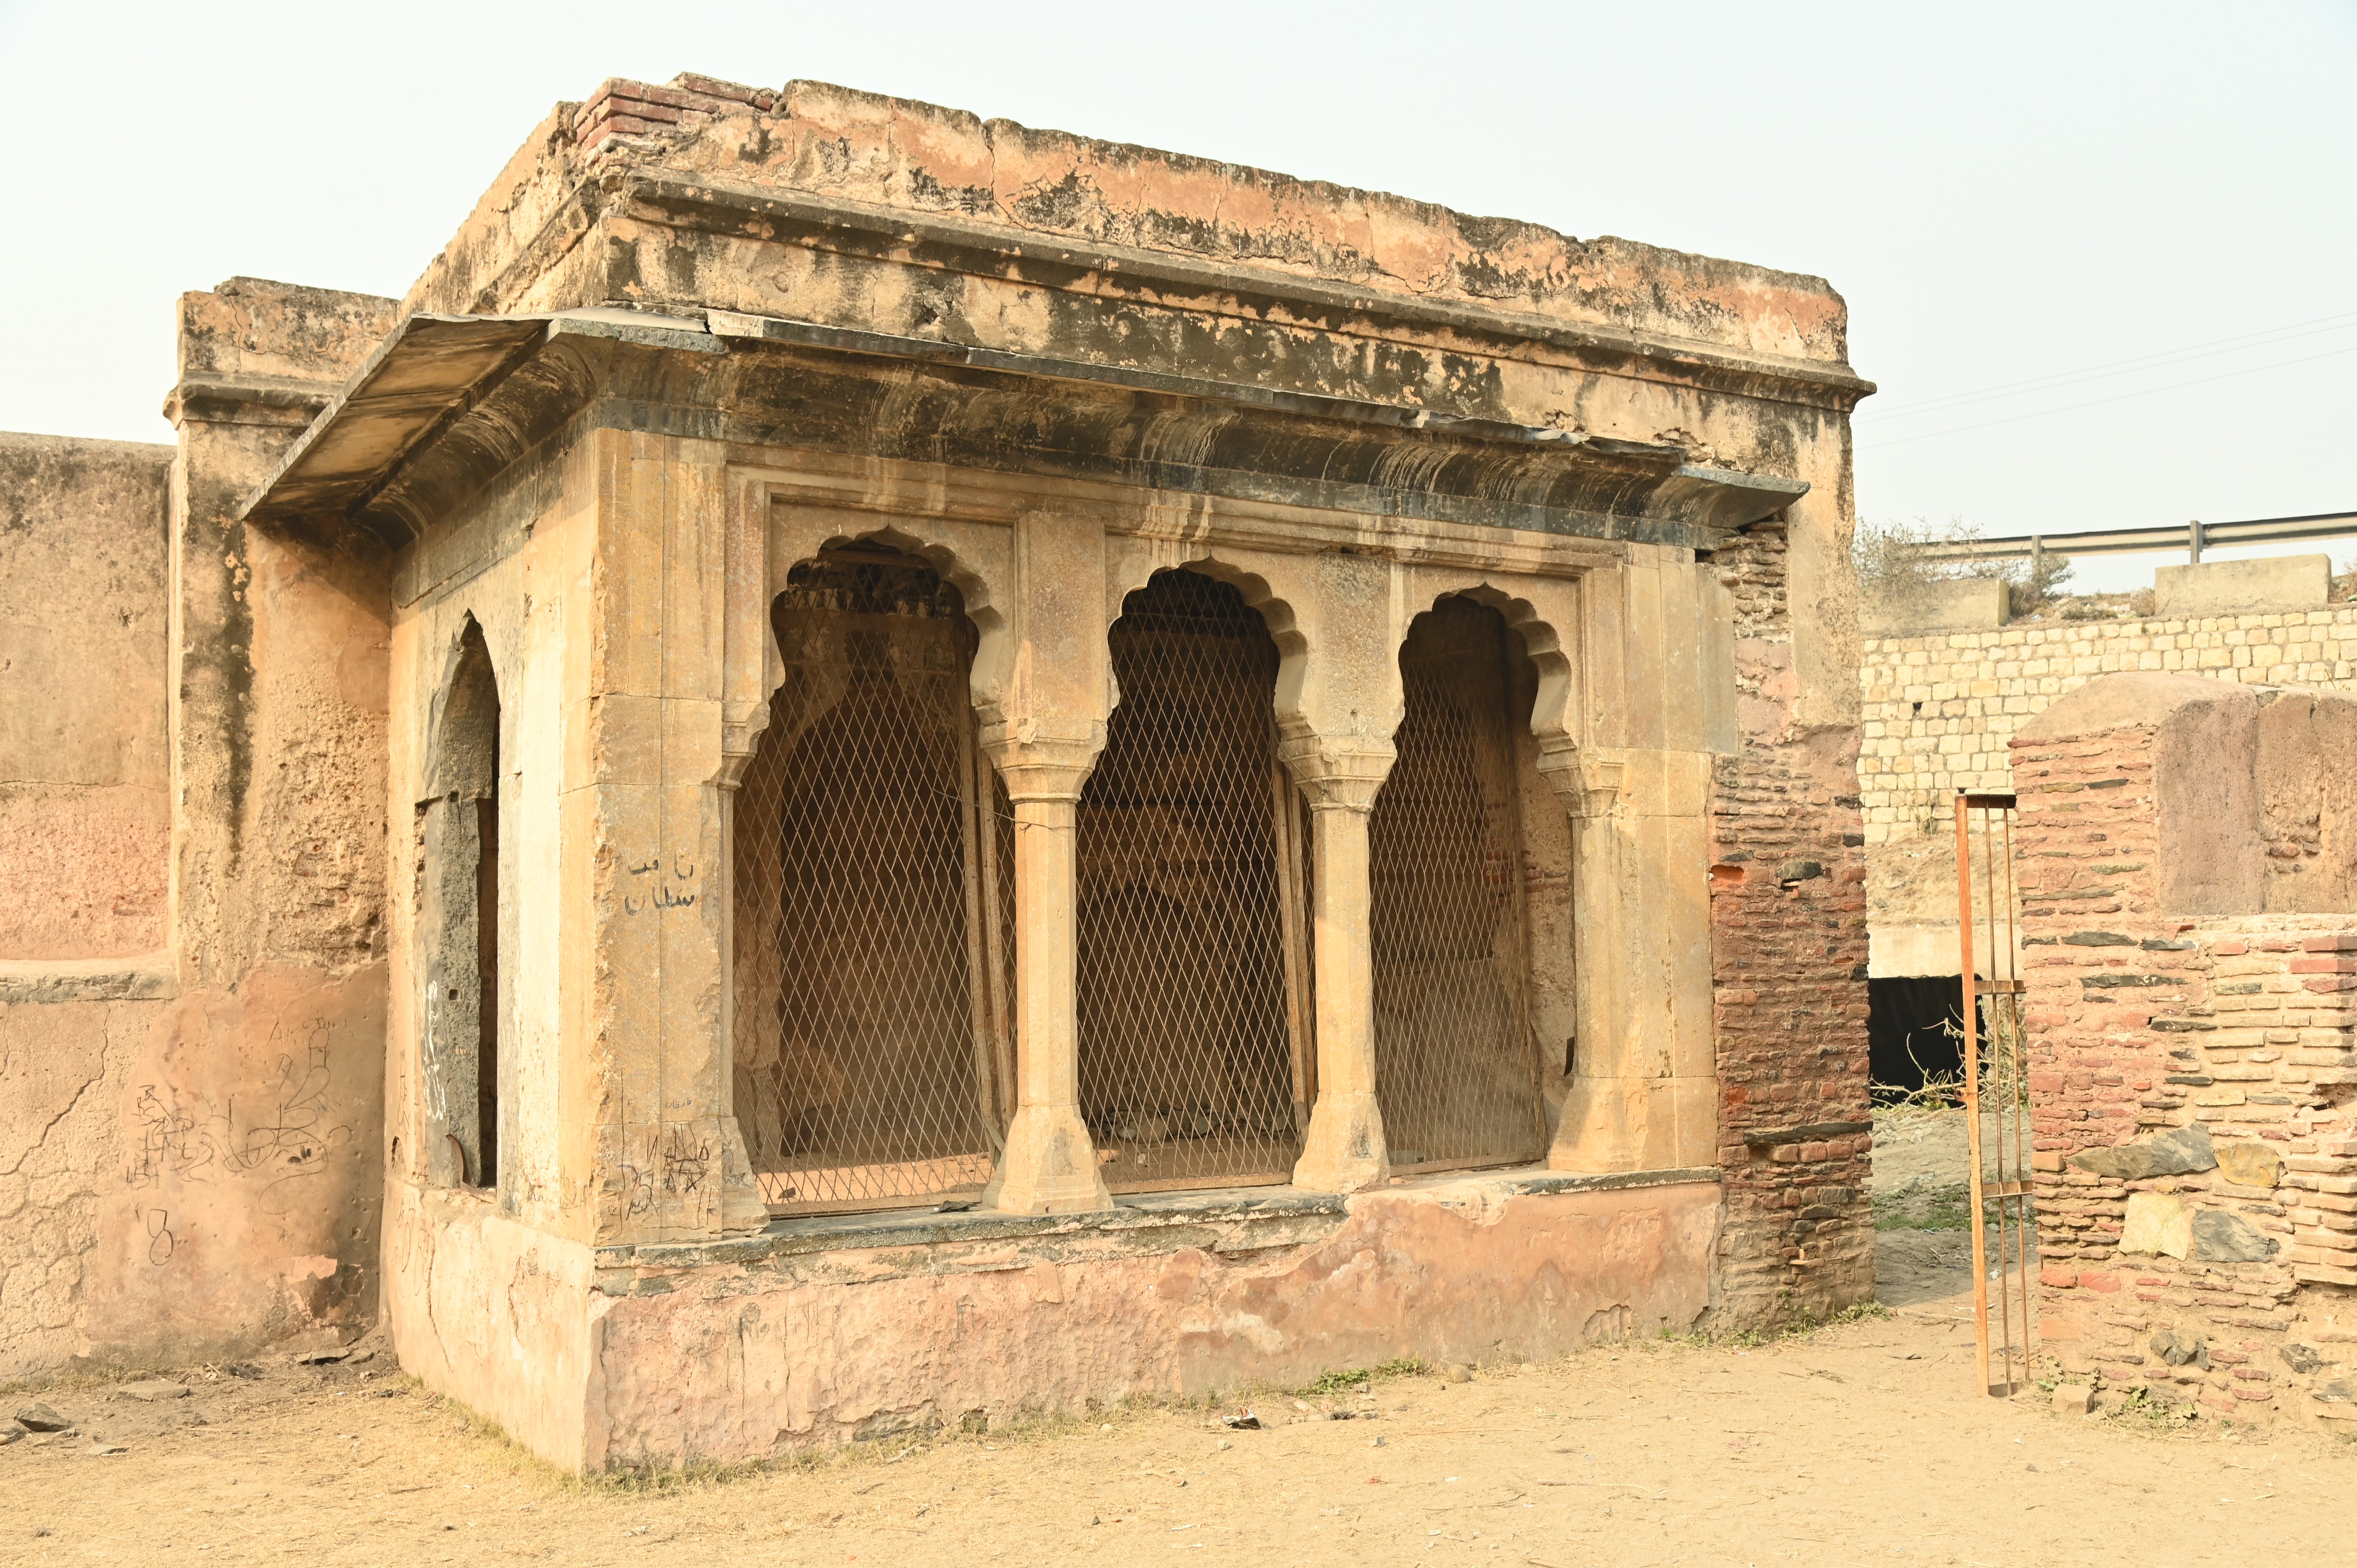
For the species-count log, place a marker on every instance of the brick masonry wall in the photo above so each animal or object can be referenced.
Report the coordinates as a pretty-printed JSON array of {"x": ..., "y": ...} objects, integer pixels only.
[
  {"x": 1788, "y": 911},
  {"x": 2140, "y": 1024},
  {"x": 625, "y": 108}
]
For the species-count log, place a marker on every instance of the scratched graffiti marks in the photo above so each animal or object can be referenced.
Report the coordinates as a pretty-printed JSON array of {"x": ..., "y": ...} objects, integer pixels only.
[
  {"x": 685, "y": 1165},
  {"x": 631, "y": 1192},
  {"x": 284, "y": 1131}
]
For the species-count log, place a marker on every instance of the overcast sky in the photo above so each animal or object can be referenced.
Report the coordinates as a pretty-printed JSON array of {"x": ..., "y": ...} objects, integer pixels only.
[{"x": 2147, "y": 210}]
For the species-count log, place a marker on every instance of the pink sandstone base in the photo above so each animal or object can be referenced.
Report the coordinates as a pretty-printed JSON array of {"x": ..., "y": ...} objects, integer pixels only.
[{"x": 673, "y": 1360}]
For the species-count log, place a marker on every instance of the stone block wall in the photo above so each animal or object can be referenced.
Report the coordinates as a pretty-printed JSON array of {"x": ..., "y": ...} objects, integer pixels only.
[
  {"x": 1940, "y": 709},
  {"x": 1788, "y": 914},
  {"x": 2191, "y": 1082}
]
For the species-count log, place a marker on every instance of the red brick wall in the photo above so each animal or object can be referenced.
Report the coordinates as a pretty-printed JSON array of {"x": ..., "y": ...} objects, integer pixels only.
[
  {"x": 2139, "y": 1021},
  {"x": 1788, "y": 915},
  {"x": 623, "y": 108}
]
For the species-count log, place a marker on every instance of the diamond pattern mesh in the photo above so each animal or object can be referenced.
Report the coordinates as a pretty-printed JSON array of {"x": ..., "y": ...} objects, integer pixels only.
[
  {"x": 874, "y": 902},
  {"x": 1192, "y": 1053},
  {"x": 1454, "y": 1069}
]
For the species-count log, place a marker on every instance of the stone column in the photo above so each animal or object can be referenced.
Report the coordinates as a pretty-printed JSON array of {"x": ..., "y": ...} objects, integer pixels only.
[
  {"x": 1050, "y": 1163},
  {"x": 1344, "y": 1149},
  {"x": 1044, "y": 702}
]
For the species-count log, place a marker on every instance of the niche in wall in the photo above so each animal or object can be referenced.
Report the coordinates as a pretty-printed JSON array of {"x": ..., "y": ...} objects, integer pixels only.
[{"x": 458, "y": 923}]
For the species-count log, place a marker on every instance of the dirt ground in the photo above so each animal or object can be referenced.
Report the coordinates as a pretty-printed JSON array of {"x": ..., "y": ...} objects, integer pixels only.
[{"x": 1860, "y": 1441}]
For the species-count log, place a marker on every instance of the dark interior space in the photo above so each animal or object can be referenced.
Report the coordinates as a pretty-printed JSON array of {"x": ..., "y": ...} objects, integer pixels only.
[{"x": 1915, "y": 1031}]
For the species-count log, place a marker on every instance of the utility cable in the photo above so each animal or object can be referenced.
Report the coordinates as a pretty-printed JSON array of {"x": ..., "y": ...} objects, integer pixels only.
[
  {"x": 2096, "y": 403},
  {"x": 2097, "y": 372}
]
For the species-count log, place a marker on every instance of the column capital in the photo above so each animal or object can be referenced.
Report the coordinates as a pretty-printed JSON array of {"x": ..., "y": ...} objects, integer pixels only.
[
  {"x": 1337, "y": 772},
  {"x": 1588, "y": 779},
  {"x": 1040, "y": 761}
]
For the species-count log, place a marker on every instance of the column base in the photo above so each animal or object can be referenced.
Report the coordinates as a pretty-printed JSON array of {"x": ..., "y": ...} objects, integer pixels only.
[
  {"x": 1344, "y": 1149},
  {"x": 1049, "y": 1166},
  {"x": 1612, "y": 1125}
]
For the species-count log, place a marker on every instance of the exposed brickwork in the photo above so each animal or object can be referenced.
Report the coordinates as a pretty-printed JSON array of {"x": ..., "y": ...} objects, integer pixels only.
[
  {"x": 624, "y": 108},
  {"x": 2139, "y": 1022},
  {"x": 1788, "y": 911}
]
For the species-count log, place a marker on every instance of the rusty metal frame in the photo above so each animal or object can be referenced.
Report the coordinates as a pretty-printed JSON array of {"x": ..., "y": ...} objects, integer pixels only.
[{"x": 2000, "y": 1182}]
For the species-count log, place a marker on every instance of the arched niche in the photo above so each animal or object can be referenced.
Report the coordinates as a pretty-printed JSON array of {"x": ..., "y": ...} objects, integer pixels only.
[
  {"x": 1471, "y": 911},
  {"x": 459, "y": 920}
]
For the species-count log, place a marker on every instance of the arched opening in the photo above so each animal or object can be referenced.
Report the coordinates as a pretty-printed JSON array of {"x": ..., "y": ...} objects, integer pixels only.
[
  {"x": 459, "y": 829},
  {"x": 1457, "y": 1071},
  {"x": 1193, "y": 1042},
  {"x": 873, "y": 901}
]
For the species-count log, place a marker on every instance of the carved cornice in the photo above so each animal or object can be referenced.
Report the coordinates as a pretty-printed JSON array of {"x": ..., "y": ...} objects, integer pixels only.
[{"x": 449, "y": 402}]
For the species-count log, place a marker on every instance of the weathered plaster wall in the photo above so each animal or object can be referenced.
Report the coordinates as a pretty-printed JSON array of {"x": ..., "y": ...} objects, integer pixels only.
[
  {"x": 251, "y": 1123},
  {"x": 516, "y": 561},
  {"x": 85, "y": 853},
  {"x": 195, "y": 1145},
  {"x": 693, "y": 1358},
  {"x": 85, "y": 820},
  {"x": 65, "y": 1060}
]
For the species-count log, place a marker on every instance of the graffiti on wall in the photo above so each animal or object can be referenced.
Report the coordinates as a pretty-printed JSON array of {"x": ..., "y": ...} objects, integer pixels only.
[{"x": 278, "y": 1130}]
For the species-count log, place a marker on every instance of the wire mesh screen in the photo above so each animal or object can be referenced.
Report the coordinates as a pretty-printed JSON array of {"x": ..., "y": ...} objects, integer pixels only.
[
  {"x": 1192, "y": 1051},
  {"x": 1454, "y": 1068},
  {"x": 873, "y": 888}
]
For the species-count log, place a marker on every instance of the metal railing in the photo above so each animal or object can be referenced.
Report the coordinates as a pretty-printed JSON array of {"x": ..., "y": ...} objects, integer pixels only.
[{"x": 2192, "y": 537}]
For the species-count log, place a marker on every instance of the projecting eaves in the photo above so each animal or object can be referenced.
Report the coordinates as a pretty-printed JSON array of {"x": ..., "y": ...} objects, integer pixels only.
[{"x": 448, "y": 402}]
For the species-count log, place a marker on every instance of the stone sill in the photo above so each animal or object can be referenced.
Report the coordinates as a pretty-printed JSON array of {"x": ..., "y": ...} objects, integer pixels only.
[
  {"x": 142, "y": 977},
  {"x": 1221, "y": 1219}
]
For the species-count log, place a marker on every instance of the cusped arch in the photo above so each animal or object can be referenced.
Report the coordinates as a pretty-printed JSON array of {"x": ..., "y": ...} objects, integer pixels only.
[
  {"x": 1275, "y": 605},
  {"x": 988, "y": 676},
  {"x": 1547, "y": 639}
]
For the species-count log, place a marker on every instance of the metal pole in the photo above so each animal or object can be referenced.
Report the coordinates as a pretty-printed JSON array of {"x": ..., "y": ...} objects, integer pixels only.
[
  {"x": 1972, "y": 1085},
  {"x": 1997, "y": 1000},
  {"x": 2193, "y": 535},
  {"x": 2017, "y": 1103}
]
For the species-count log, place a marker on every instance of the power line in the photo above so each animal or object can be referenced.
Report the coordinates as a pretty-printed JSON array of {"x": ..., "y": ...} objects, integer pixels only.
[
  {"x": 2117, "y": 367},
  {"x": 2094, "y": 402}
]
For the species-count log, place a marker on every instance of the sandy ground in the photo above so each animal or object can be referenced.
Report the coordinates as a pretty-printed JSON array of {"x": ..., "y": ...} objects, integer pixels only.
[{"x": 1860, "y": 1441}]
